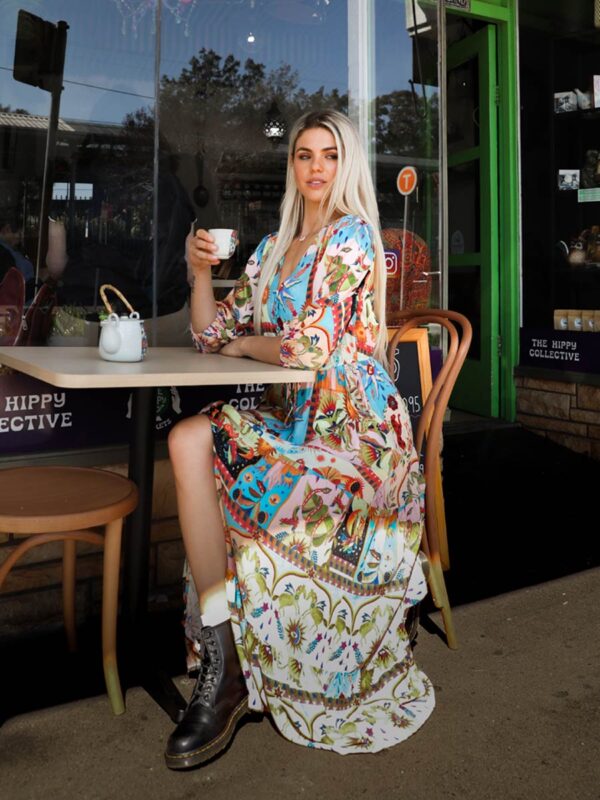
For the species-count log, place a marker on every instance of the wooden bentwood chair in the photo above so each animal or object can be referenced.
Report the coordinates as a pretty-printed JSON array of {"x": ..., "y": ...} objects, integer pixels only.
[
  {"x": 434, "y": 545},
  {"x": 50, "y": 504}
]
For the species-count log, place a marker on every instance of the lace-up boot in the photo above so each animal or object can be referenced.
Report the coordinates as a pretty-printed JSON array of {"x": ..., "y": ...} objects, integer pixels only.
[{"x": 218, "y": 702}]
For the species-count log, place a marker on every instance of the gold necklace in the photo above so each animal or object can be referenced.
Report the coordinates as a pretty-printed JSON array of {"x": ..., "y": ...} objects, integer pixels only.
[{"x": 304, "y": 237}]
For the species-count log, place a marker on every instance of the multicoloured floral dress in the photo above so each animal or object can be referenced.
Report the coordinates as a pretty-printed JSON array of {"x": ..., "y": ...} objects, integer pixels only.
[{"x": 323, "y": 505}]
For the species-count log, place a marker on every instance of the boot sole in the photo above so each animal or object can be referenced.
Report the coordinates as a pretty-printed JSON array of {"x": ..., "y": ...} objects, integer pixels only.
[{"x": 195, "y": 757}]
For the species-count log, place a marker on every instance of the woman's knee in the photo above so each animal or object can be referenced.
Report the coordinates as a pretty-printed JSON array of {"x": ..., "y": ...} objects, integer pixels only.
[{"x": 191, "y": 440}]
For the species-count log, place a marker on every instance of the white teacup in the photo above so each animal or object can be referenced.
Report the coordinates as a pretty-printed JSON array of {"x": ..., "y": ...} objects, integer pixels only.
[{"x": 226, "y": 240}]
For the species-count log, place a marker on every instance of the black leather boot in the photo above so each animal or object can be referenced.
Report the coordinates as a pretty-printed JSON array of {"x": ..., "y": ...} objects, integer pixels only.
[{"x": 219, "y": 701}]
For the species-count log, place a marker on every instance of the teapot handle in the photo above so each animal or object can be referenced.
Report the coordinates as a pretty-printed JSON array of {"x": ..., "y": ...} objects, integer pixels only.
[{"x": 119, "y": 294}]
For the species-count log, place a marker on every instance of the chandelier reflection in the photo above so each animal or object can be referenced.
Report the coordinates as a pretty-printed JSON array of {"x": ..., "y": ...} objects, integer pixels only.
[
  {"x": 135, "y": 10},
  {"x": 274, "y": 127}
]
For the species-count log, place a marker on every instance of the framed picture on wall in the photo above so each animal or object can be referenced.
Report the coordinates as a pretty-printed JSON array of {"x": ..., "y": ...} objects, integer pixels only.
[
  {"x": 568, "y": 179},
  {"x": 565, "y": 102}
]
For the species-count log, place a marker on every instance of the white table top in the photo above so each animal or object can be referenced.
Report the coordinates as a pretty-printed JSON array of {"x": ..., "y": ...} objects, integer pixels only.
[{"x": 82, "y": 368}]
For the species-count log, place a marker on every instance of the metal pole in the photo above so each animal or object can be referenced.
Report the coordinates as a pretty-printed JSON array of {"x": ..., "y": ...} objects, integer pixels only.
[
  {"x": 57, "y": 87},
  {"x": 156, "y": 171}
]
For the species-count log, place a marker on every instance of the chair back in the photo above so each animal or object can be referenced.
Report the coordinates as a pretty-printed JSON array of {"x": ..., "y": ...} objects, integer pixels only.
[{"x": 429, "y": 429}]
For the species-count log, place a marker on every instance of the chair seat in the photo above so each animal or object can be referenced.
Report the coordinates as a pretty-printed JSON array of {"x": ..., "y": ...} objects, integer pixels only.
[
  {"x": 48, "y": 504},
  {"x": 56, "y": 499}
]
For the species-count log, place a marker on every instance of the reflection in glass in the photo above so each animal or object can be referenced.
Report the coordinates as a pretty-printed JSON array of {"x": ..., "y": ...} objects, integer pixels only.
[
  {"x": 463, "y": 107},
  {"x": 463, "y": 208},
  {"x": 219, "y": 88},
  {"x": 101, "y": 182},
  {"x": 221, "y": 70}
]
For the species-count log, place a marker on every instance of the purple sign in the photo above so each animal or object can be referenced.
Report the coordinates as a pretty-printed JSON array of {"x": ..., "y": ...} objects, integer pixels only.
[
  {"x": 563, "y": 350},
  {"x": 36, "y": 417}
]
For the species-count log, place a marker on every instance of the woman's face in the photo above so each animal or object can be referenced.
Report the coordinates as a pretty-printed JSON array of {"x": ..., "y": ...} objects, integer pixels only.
[{"x": 315, "y": 164}]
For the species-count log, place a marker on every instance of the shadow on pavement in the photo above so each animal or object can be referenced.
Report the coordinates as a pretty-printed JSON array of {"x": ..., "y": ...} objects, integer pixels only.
[{"x": 520, "y": 510}]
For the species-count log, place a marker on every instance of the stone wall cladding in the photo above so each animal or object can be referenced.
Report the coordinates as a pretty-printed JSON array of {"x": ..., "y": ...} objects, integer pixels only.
[
  {"x": 566, "y": 413},
  {"x": 31, "y": 595}
]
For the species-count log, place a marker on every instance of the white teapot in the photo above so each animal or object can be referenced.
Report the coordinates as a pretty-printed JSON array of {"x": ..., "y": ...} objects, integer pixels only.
[{"x": 122, "y": 338}]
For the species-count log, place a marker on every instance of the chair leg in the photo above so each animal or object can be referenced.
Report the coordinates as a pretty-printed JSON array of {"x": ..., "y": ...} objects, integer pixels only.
[
  {"x": 69, "y": 570},
  {"x": 439, "y": 595},
  {"x": 440, "y": 515},
  {"x": 110, "y": 602}
]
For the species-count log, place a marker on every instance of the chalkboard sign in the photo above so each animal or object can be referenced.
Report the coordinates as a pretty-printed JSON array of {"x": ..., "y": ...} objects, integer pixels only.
[
  {"x": 412, "y": 376},
  {"x": 412, "y": 371}
]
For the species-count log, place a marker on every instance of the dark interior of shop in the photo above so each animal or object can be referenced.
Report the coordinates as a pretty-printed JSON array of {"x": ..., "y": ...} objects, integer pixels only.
[{"x": 560, "y": 55}]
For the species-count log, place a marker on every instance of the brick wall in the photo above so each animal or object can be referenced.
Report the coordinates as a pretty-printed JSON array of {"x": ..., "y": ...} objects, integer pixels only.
[
  {"x": 32, "y": 595},
  {"x": 567, "y": 413}
]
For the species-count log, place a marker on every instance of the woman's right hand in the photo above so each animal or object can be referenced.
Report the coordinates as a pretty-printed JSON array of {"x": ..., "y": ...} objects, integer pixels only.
[{"x": 200, "y": 250}]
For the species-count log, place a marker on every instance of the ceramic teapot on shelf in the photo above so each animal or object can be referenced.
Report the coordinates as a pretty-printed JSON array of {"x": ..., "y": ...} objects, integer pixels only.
[
  {"x": 575, "y": 253},
  {"x": 122, "y": 338}
]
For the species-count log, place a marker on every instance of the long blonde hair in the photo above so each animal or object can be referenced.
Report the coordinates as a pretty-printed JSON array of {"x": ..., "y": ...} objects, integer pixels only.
[{"x": 352, "y": 192}]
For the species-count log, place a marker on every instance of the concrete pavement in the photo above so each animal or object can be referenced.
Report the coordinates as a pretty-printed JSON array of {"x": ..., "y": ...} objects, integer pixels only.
[{"x": 517, "y": 718}]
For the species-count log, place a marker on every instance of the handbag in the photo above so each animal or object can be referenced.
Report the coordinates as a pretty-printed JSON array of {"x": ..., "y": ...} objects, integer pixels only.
[{"x": 37, "y": 320}]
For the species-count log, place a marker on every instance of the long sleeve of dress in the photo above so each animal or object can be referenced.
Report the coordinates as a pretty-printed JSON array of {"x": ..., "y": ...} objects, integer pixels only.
[
  {"x": 235, "y": 314},
  {"x": 310, "y": 338}
]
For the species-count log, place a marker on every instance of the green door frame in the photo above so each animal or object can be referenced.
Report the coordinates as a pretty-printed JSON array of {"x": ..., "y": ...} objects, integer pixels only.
[
  {"x": 504, "y": 14},
  {"x": 478, "y": 389}
]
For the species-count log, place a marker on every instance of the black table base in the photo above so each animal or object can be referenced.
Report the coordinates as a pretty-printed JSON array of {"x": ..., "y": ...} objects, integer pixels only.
[{"x": 142, "y": 662}]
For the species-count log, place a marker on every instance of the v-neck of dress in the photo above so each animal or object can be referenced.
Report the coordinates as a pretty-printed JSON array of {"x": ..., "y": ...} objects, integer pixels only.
[{"x": 316, "y": 245}]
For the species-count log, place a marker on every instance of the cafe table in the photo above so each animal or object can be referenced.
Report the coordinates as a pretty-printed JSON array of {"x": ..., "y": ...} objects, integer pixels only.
[{"x": 82, "y": 368}]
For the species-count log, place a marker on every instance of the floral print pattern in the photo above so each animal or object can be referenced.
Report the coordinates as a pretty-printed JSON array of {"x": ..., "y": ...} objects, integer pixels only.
[{"x": 322, "y": 499}]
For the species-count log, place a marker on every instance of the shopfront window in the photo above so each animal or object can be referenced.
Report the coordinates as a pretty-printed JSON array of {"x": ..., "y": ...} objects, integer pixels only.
[
  {"x": 175, "y": 110},
  {"x": 560, "y": 133},
  {"x": 231, "y": 89},
  {"x": 100, "y": 181}
]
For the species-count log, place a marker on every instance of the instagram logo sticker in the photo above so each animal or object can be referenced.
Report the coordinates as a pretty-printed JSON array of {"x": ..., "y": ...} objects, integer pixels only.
[{"x": 391, "y": 263}]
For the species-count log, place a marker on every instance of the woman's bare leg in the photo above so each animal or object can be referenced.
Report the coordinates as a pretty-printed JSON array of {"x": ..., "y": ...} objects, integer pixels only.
[
  {"x": 220, "y": 698},
  {"x": 191, "y": 452}
]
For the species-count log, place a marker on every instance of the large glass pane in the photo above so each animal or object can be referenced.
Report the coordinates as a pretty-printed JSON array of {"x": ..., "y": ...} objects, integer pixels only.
[
  {"x": 100, "y": 190},
  {"x": 463, "y": 107},
  {"x": 124, "y": 190},
  {"x": 463, "y": 208},
  {"x": 245, "y": 68},
  {"x": 99, "y": 177},
  {"x": 407, "y": 119},
  {"x": 242, "y": 66}
]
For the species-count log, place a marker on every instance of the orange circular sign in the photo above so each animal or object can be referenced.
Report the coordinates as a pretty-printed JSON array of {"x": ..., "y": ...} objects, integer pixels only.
[{"x": 407, "y": 180}]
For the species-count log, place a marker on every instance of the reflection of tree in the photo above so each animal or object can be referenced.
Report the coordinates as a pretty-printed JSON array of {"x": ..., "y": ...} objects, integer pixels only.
[
  {"x": 406, "y": 125},
  {"x": 214, "y": 112},
  {"x": 217, "y": 102},
  {"x": 9, "y": 110}
]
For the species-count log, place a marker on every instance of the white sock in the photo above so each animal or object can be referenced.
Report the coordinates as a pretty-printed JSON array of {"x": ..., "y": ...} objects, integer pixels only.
[{"x": 213, "y": 605}]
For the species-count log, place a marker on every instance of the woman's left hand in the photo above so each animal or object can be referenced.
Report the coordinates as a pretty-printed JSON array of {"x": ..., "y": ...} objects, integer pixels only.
[
  {"x": 233, "y": 348},
  {"x": 260, "y": 348}
]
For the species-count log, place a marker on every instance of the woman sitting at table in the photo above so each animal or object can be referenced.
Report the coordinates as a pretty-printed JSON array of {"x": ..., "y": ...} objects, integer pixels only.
[{"x": 302, "y": 520}]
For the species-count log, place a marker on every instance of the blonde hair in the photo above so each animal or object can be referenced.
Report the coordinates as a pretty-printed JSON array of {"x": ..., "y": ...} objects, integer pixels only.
[{"x": 352, "y": 192}]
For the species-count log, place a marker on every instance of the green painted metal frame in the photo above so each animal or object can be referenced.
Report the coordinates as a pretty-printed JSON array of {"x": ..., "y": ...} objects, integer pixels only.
[
  {"x": 479, "y": 390},
  {"x": 504, "y": 14}
]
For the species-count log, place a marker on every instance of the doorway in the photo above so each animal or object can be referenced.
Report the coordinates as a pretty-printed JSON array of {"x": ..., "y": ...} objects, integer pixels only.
[{"x": 473, "y": 209}]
